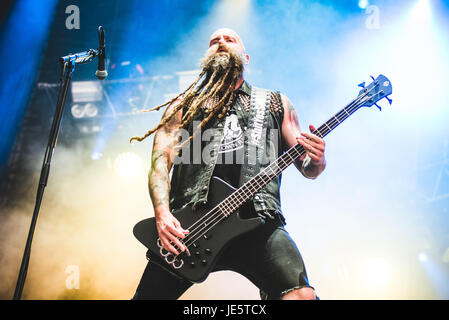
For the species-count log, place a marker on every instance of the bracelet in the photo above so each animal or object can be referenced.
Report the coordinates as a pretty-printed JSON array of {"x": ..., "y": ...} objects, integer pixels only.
[{"x": 305, "y": 164}]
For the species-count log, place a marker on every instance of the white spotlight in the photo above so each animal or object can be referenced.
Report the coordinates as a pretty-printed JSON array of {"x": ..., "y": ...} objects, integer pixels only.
[
  {"x": 90, "y": 110},
  {"x": 363, "y": 4},
  {"x": 377, "y": 272},
  {"x": 77, "y": 111},
  {"x": 128, "y": 165},
  {"x": 422, "y": 257},
  {"x": 81, "y": 111},
  {"x": 421, "y": 11},
  {"x": 96, "y": 155}
]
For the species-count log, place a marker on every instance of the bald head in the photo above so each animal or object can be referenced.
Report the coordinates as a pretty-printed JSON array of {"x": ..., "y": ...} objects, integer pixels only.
[
  {"x": 228, "y": 35},
  {"x": 225, "y": 37}
]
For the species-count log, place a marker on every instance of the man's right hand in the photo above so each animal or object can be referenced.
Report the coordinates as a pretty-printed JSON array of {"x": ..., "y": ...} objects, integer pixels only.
[{"x": 170, "y": 231}]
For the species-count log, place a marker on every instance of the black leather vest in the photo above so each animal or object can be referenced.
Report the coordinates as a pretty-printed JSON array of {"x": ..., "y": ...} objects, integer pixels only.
[{"x": 194, "y": 168}]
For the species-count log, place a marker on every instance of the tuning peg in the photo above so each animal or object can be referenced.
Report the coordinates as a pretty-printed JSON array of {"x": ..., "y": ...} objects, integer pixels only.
[
  {"x": 362, "y": 85},
  {"x": 390, "y": 101},
  {"x": 378, "y": 106},
  {"x": 372, "y": 77}
]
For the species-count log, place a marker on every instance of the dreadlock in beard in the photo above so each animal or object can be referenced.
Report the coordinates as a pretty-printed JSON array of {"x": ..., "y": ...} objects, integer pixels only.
[{"x": 220, "y": 73}]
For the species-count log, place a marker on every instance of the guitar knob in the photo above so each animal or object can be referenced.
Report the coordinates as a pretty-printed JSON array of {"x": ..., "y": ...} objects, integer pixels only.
[
  {"x": 208, "y": 251},
  {"x": 192, "y": 264},
  {"x": 203, "y": 262},
  {"x": 197, "y": 254}
]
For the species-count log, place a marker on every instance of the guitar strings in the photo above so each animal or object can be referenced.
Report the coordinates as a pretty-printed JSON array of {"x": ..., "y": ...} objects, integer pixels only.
[{"x": 216, "y": 213}]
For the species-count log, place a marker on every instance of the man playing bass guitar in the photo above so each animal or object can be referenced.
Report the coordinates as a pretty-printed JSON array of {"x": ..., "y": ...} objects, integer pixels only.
[{"x": 222, "y": 101}]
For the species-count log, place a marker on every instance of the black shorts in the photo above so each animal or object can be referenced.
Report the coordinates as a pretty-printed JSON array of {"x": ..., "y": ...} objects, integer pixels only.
[{"x": 267, "y": 256}]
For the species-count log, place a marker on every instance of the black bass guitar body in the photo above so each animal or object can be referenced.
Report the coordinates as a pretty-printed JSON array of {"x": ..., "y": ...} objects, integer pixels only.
[{"x": 210, "y": 232}]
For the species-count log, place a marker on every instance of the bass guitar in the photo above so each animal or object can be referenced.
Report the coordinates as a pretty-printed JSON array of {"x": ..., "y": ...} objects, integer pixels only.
[{"x": 215, "y": 224}]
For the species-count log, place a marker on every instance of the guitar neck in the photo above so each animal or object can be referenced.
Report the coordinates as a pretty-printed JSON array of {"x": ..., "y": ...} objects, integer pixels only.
[{"x": 247, "y": 190}]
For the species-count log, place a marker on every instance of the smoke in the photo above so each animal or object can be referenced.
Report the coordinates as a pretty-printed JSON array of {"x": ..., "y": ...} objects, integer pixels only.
[{"x": 84, "y": 233}]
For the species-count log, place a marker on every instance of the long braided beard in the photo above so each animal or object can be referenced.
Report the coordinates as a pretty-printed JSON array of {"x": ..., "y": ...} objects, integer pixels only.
[{"x": 220, "y": 73}]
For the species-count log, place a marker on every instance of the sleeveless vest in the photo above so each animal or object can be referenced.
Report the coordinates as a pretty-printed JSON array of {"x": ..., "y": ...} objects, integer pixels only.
[{"x": 194, "y": 167}]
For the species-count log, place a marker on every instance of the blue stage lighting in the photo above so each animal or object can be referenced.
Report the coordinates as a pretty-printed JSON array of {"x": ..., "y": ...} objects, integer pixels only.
[{"x": 22, "y": 39}]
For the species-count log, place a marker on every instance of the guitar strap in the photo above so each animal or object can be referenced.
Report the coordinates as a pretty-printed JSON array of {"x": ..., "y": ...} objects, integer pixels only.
[{"x": 256, "y": 133}]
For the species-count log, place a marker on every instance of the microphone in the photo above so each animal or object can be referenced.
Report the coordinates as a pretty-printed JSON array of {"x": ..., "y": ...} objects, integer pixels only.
[{"x": 101, "y": 73}]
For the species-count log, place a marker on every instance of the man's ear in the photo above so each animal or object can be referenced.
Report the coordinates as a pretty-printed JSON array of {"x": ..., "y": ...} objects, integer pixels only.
[{"x": 246, "y": 58}]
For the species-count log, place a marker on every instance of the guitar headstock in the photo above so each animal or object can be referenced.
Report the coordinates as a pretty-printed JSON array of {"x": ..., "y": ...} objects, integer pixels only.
[{"x": 378, "y": 89}]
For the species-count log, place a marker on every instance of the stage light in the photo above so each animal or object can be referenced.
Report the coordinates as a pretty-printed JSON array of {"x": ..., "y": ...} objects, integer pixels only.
[
  {"x": 437, "y": 273},
  {"x": 84, "y": 129},
  {"x": 421, "y": 12},
  {"x": 363, "y": 4},
  {"x": 232, "y": 13},
  {"x": 377, "y": 272},
  {"x": 84, "y": 110},
  {"x": 419, "y": 53},
  {"x": 128, "y": 165},
  {"x": 422, "y": 257},
  {"x": 87, "y": 91},
  {"x": 90, "y": 110},
  {"x": 96, "y": 155},
  {"x": 77, "y": 111}
]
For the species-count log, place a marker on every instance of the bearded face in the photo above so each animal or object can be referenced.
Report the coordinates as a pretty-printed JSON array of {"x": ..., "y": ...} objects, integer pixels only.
[{"x": 222, "y": 58}]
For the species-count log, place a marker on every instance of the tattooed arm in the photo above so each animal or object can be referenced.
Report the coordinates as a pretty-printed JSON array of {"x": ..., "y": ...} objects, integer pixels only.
[
  {"x": 313, "y": 162},
  {"x": 165, "y": 140}
]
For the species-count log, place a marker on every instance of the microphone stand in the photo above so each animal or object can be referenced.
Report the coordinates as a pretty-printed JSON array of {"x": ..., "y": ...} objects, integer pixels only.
[{"x": 67, "y": 67}]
